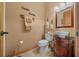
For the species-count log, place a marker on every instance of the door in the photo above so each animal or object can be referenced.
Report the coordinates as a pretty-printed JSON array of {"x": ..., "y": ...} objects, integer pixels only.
[{"x": 1, "y": 29}]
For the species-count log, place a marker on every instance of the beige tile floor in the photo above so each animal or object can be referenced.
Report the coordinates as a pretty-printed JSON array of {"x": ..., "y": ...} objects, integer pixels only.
[{"x": 36, "y": 53}]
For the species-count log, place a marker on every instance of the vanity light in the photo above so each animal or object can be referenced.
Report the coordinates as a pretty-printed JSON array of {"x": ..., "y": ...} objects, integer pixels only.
[
  {"x": 69, "y": 3},
  {"x": 56, "y": 8},
  {"x": 63, "y": 6}
]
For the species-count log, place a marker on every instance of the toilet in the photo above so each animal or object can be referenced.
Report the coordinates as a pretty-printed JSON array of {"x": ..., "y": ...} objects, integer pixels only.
[{"x": 43, "y": 44}]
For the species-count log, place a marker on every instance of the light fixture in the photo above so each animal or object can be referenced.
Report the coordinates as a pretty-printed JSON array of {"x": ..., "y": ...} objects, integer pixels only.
[
  {"x": 63, "y": 6},
  {"x": 56, "y": 8}
]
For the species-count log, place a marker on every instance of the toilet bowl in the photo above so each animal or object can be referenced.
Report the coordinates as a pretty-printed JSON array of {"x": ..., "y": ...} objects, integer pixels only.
[{"x": 43, "y": 44}]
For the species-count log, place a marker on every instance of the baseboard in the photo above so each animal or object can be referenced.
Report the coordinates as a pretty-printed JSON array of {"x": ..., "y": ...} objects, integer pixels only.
[{"x": 26, "y": 50}]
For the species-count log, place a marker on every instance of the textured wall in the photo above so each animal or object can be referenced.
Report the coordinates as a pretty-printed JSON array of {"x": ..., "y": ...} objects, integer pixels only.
[{"x": 14, "y": 25}]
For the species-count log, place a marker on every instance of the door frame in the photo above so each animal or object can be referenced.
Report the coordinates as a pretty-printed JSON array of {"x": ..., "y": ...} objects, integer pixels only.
[
  {"x": 75, "y": 25},
  {"x": 2, "y": 29}
]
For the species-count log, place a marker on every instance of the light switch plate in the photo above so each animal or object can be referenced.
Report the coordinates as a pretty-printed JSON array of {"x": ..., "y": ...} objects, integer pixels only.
[{"x": 78, "y": 34}]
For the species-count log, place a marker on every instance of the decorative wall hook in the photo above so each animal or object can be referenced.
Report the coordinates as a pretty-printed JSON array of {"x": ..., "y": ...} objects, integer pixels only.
[
  {"x": 22, "y": 16},
  {"x": 25, "y": 8},
  {"x": 32, "y": 14}
]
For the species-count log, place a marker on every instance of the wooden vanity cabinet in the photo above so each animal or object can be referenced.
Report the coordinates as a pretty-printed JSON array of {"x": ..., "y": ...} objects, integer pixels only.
[{"x": 63, "y": 47}]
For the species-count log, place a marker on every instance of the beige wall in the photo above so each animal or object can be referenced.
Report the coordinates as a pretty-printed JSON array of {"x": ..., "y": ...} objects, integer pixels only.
[{"x": 14, "y": 26}]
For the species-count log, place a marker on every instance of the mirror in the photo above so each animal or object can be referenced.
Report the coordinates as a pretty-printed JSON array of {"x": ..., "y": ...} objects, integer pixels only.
[{"x": 65, "y": 18}]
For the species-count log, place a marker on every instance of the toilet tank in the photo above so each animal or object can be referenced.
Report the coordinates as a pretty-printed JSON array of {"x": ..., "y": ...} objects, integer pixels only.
[{"x": 48, "y": 36}]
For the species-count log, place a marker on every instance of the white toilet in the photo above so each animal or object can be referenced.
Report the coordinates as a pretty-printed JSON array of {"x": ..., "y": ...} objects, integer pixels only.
[{"x": 43, "y": 44}]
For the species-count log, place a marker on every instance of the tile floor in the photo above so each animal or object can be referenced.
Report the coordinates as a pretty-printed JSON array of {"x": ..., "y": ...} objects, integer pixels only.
[{"x": 36, "y": 53}]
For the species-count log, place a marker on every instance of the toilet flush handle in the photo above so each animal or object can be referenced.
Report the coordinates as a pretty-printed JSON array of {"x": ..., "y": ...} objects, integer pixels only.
[{"x": 2, "y": 33}]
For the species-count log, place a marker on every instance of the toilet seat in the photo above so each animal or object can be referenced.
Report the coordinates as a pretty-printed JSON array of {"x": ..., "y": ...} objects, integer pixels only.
[{"x": 43, "y": 43}]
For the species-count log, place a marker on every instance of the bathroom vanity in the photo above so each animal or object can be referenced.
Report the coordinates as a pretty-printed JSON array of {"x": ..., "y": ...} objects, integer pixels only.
[{"x": 64, "y": 47}]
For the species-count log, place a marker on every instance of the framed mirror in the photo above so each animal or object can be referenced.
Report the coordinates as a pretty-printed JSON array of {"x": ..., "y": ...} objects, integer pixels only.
[{"x": 65, "y": 18}]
